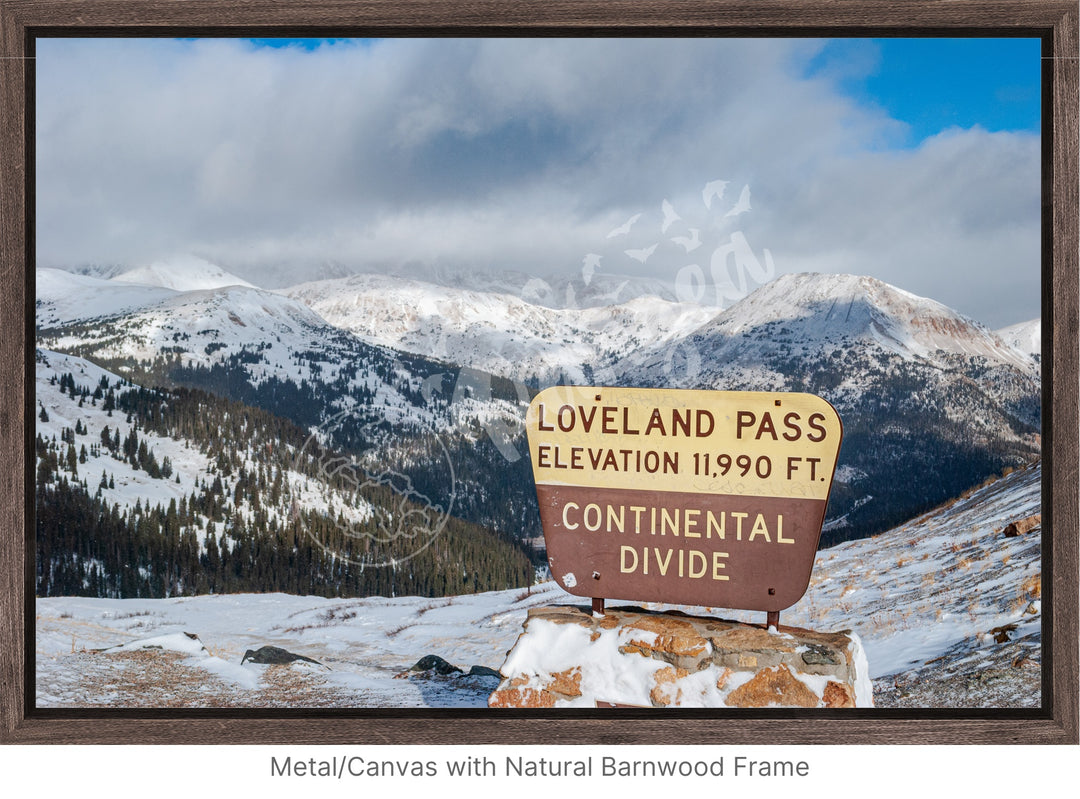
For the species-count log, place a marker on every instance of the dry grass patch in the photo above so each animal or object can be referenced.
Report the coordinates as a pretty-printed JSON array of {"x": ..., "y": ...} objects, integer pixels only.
[
  {"x": 1032, "y": 587},
  {"x": 162, "y": 679}
]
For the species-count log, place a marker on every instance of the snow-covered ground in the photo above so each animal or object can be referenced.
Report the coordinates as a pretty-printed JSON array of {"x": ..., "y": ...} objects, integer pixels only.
[
  {"x": 364, "y": 645},
  {"x": 947, "y": 607}
]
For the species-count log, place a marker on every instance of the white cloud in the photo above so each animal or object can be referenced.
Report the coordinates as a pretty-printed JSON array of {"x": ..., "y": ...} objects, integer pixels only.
[{"x": 511, "y": 153}]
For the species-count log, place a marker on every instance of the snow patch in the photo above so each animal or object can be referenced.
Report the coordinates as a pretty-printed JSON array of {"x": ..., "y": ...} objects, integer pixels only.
[{"x": 173, "y": 642}]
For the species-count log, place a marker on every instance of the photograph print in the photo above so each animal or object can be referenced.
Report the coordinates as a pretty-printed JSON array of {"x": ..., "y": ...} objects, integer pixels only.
[{"x": 295, "y": 297}]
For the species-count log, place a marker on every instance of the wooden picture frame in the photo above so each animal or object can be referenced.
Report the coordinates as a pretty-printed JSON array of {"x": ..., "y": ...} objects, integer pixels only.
[{"x": 1054, "y": 21}]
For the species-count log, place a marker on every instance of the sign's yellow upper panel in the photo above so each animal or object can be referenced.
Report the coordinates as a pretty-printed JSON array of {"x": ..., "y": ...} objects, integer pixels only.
[{"x": 740, "y": 443}]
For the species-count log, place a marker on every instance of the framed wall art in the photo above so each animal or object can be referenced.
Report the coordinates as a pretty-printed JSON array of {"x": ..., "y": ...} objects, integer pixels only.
[{"x": 283, "y": 280}]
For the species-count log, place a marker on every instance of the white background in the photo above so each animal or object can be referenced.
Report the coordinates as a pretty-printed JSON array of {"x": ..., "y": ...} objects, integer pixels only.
[{"x": 880, "y": 771}]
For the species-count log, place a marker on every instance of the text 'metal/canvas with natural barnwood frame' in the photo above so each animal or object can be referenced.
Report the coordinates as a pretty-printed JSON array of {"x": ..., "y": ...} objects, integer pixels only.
[{"x": 712, "y": 498}]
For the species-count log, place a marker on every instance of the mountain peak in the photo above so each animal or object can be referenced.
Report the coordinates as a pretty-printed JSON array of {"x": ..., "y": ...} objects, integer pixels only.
[
  {"x": 830, "y": 308},
  {"x": 182, "y": 273}
]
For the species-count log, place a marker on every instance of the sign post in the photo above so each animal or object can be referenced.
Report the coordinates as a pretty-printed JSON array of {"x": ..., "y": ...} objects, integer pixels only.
[{"x": 711, "y": 498}]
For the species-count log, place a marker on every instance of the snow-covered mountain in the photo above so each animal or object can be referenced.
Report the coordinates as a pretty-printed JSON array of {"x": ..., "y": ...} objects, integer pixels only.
[
  {"x": 270, "y": 351},
  {"x": 854, "y": 339},
  {"x": 493, "y": 331},
  {"x": 794, "y": 316},
  {"x": 182, "y": 273},
  {"x": 65, "y": 297},
  {"x": 932, "y": 402},
  {"x": 810, "y": 313},
  {"x": 1025, "y": 337},
  {"x": 266, "y": 336},
  {"x": 929, "y": 398},
  {"x": 841, "y": 335}
]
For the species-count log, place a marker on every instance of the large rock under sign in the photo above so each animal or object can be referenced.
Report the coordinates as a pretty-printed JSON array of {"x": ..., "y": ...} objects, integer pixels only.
[{"x": 568, "y": 657}]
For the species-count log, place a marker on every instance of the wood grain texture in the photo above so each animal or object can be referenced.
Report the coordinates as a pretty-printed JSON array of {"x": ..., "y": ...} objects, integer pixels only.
[
  {"x": 439, "y": 15},
  {"x": 551, "y": 728},
  {"x": 1061, "y": 287},
  {"x": 13, "y": 335},
  {"x": 1055, "y": 20}
]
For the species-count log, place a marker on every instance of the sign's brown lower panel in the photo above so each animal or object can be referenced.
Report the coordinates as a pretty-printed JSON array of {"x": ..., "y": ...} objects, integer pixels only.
[{"x": 753, "y": 553}]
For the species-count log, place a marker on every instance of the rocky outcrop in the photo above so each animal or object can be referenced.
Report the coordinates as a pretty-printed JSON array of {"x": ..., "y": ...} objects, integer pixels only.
[
  {"x": 567, "y": 657},
  {"x": 1022, "y": 526},
  {"x": 484, "y": 671},
  {"x": 432, "y": 666},
  {"x": 274, "y": 656},
  {"x": 436, "y": 664}
]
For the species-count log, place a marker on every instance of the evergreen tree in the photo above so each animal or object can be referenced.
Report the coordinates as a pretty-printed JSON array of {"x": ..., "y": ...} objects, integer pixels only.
[{"x": 72, "y": 461}]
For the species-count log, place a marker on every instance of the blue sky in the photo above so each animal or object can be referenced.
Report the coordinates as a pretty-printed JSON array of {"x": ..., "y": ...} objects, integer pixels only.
[
  {"x": 915, "y": 161},
  {"x": 936, "y": 83}
]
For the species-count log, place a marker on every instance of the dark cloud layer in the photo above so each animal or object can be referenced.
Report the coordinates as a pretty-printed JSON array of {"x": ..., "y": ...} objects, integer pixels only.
[{"x": 516, "y": 154}]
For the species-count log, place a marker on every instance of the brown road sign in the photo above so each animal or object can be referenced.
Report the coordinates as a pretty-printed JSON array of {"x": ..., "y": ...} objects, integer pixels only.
[{"x": 709, "y": 498}]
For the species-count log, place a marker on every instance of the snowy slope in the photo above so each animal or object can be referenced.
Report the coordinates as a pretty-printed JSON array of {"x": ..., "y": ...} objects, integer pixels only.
[
  {"x": 1026, "y": 337},
  {"x": 131, "y": 485},
  {"x": 948, "y": 610},
  {"x": 191, "y": 466},
  {"x": 181, "y": 273},
  {"x": 945, "y": 579},
  {"x": 64, "y": 297},
  {"x": 493, "y": 331}
]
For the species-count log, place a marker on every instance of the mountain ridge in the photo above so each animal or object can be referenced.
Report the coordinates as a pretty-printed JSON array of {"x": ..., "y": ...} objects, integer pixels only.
[
  {"x": 495, "y": 332},
  {"x": 932, "y": 402},
  {"x": 813, "y": 304}
]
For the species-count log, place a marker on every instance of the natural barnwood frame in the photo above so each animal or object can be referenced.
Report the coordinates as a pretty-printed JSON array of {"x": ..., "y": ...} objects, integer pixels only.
[{"x": 1054, "y": 21}]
